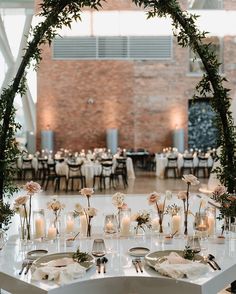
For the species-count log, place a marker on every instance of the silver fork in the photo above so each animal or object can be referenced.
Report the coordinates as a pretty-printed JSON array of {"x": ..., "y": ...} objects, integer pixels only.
[
  {"x": 135, "y": 265},
  {"x": 139, "y": 263},
  {"x": 24, "y": 264},
  {"x": 28, "y": 266}
]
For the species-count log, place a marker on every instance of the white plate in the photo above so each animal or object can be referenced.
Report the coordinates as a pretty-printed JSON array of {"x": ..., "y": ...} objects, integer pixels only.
[
  {"x": 138, "y": 251},
  {"x": 152, "y": 258},
  {"x": 35, "y": 254},
  {"x": 49, "y": 257}
]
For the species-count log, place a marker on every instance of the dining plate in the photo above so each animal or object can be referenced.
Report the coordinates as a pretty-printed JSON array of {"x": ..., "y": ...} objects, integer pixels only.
[
  {"x": 64, "y": 257},
  {"x": 35, "y": 254},
  {"x": 138, "y": 251},
  {"x": 153, "y": 257}
]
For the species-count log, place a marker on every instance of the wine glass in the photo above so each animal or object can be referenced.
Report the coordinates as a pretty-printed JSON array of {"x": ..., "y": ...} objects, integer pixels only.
[{"x": 98, "y": 248}]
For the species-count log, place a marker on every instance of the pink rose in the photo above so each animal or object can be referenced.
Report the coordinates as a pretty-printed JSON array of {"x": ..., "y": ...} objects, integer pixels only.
[
  {"x": 153, "y": 198},
  {"x": 182, "y": 195},
  {"x": 190, "y": 179},
  {"x": 32, "y": 187},
  {"x": 219, "y": 191},
  {"x": 21, "y": 200},
  {"x": 88, "y": 192}
]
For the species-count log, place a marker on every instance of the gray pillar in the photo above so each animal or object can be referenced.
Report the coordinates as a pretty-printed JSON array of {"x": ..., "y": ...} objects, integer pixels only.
[
  {"x": 178, "y": 139},
  {"x": 112, "y": 140},
  {"x": 30, "y": 140},
  {"x": 47, "y": 140}
]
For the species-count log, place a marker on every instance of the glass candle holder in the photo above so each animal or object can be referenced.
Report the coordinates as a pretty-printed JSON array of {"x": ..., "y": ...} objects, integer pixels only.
[
  {"x": 110, "y": 224},
  {"x": 39, "y": 223},
  {"x": 201, "y": 224},
  {"x": 211, "y": 214}
]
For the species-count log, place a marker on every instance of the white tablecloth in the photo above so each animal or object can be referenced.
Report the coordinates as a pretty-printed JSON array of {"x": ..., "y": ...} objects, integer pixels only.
[
  {"x": 89, "y": 169},
  {"x": 161, "y": 163}
]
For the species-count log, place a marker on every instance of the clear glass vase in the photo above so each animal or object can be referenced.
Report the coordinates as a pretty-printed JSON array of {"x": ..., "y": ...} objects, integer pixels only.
[{"x": 139, "y": 230}]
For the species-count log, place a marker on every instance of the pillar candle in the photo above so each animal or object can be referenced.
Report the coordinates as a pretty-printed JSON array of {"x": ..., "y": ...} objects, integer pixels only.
[
  {"x": 70, "y": 225},
  {"x": 125, "y": 226},
  {"x": 52, "y": 233},
  {"x": 83, "y": 225},
  {"x": 211, "y": 225},
  {"x": 155, "y": 224},
  {"x": 175, "y": 225},
  {"x": 39, "y": 228}
]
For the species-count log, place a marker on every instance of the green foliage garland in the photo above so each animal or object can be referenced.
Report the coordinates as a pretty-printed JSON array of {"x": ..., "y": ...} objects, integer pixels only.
[{"x": 58, "y": 13}]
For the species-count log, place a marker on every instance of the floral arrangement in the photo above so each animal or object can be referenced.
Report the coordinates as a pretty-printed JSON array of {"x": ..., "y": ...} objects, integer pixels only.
[
  {"x": 20, "y": 206},
  {"x": 56, "y": 206},
  {"x": 227, "y": 202},
  {"x": 184, "y": 195},
  {"x": 143, "y": 219},
  {"x": 89, "y": 212},
  {"x": 155, "y": 199},
  {"x": 118, "y": 200},
  {"x": 173, "y": 209}
]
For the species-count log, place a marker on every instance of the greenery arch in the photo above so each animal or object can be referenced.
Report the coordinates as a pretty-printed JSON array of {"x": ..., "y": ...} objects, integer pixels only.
[{"x": 57, "y": 13}]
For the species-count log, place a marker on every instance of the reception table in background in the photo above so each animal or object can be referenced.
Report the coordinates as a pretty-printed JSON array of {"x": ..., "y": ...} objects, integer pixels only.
[{"x": 162, "y": 160}]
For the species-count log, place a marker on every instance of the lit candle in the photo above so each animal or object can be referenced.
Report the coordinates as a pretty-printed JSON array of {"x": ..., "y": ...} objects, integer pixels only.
[
  {"x": 155, "y": 224},
  {"x": 211, "y": 224},
  {"x": 176, "y": 222},
  {"x": 125, "y": 226},
  {"x": 52, "y": 233},
  {"x": 39, "y": 227},
  {"x": 202, "y": 226},
  {"x": 109, "y": 226},
  {"x": 70, "y": 225},
  {"x": 83, "y": 225}
]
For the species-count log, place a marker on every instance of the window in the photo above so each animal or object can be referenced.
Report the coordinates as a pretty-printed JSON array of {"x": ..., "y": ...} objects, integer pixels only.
[
  {"x": 205, "y": 4},
  {"x": 195, "y": 63}
]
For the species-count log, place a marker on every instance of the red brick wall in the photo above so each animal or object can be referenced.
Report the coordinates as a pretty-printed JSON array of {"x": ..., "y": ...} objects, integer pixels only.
[{"x": 145, "y": 100}]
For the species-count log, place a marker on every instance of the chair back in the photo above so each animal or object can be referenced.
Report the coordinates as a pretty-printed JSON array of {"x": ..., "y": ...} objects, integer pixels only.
[{"x": 172, "y": 162}]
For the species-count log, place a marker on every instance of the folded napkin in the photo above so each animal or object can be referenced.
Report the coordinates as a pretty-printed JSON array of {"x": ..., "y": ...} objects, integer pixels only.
[
  {"x": 177, "y": 267},
  {"x": 61, "y": 275}
]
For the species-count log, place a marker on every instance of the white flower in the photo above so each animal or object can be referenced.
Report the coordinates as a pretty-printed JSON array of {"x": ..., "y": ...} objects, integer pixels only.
[
  {"x": 182, "y": 195},
  {"x": 55, "y": 205},
  {"x": 21, "y": 200},
  {"x": 88, "y": 192},
  {"x": 32, "y": 187},
  {"x": 190, "y": 179},
  {"x": 118, "y": 199},
  {"x": 91, "y": 211},
  {"x": 79, "y": 208}
]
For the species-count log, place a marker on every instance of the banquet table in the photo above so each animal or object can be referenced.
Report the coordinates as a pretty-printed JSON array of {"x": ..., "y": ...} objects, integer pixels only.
[
  {"x": 121, "y": 276},
  {"x": 161, "y": 163},
  {"x": 90, "y": 168}
]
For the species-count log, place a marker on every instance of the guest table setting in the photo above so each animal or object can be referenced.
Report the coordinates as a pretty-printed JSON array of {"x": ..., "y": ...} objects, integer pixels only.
[{"x": 133, "y": 243}]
